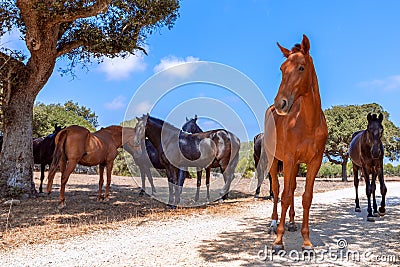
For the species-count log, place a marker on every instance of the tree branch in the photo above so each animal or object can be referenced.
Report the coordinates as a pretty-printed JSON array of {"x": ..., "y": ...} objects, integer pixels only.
[
  {"x": 68, "y": 47},
  {"x": 331, "y": 159},
  {"x": 93, "y": 10}
]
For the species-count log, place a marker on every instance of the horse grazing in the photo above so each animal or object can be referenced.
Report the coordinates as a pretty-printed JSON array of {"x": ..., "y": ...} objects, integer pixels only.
[
  {"x": 191, "y": 127},
  {"x": 43, "y": 149},
  {"x": 366, "y": 153},
  {"x": 261, "y": 162},
  {"x": 295, "y": 132},
  {"x": 179, "y": 150},
  {"x": 76, "y": 145}
]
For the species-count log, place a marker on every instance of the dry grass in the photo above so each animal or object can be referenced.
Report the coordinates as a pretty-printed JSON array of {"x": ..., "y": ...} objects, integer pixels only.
[{"x": 35, "y": 221}]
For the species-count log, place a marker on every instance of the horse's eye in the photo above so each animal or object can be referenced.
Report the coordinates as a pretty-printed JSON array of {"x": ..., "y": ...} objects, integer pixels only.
[{"x": 301, "y": 68}]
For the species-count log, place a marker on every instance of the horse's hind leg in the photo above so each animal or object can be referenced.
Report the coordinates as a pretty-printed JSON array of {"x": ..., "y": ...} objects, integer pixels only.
[
  {"x": 198, "y": 185},
  {"x": 382, "y": 209},
  {"x": 356, "y": 182},
  {"x": 42, "y": 169},
  {"x": 260, "y": 179},
  {"x": 208, "y": 170},
  {"x": 100, "y": 196}
]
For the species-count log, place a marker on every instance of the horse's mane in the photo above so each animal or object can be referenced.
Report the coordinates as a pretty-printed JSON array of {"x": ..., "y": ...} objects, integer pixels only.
[{"x": 163, "y": 123}]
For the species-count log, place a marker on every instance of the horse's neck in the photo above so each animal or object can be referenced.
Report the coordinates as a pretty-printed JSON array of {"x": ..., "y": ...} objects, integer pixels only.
[{"x": 310, "y": 106}]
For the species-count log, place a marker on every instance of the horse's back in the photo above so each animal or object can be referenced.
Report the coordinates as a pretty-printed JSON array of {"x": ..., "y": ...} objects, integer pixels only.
[{"x": 355, "y": 148}]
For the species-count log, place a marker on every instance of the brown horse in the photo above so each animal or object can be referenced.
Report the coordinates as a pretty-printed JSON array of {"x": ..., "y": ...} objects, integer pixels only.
[
  {"x": 297, "y": 133},
  {"x": 366, "y": 153},
  {"x": 76, "y": 145}
]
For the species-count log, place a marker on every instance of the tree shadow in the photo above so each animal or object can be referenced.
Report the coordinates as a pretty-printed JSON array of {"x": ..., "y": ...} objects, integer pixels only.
[{"x": 331, "y": 226}]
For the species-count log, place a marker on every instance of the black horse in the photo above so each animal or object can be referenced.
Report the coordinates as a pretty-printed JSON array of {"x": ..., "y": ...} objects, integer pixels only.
[
  {"x": 366, "y": 153},
  {"x": 260, "y": 162},
  {"x": 43, "y": 149},
  {"x": 191, "y": 127},
  {"x": 151, "y": 160},
  {"x": 179, "y": 150}
]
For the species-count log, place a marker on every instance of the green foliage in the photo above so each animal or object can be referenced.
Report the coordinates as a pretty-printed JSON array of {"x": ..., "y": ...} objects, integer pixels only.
[
  {"x": 329, "y": 170},
  {"x": 343, "y": 121},
  {"x": 46, "y": 116}
]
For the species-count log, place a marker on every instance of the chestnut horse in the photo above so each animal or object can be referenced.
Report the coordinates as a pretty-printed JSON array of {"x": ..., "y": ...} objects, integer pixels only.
[
  {"x": 366, "y": 153},
  {"x": 295, "y": 132},
  {"x": 76, "y": 145}
]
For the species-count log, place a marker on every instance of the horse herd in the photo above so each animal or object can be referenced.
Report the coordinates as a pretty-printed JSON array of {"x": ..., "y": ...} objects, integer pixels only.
[{"x": 295, "y": 131}]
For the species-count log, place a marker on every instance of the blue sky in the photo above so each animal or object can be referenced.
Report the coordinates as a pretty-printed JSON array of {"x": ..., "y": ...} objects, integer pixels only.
[{"x": 354, "y": 45}]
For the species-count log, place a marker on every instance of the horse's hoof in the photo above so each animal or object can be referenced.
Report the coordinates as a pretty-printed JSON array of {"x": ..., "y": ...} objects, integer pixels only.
[
  {"x": 307, "y": 248},
  {"x": 170, "y": 207},
  {"x": 271, "y": 230},
  {"x": 292, "y": 227},
  {"x": 220, "y": 201},
  {"x": 376, "y": 214},
  {"x": 277, "y": 248},
  {"x": 370, "y": 218},
  {"x": 357, "y": 209},
  {"x": 382, "y": 211},
  {"x": 141, "y": 193},
  {"x": 61, "y": 206}
]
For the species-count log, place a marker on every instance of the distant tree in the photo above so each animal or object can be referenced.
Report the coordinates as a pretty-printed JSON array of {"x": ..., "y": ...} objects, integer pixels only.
[
  {"x": 83, "y": 112},
  {"x": 46, "y": 116},
  {"x": 343, "y": 121},
  {"x": 79, "y": 31}
]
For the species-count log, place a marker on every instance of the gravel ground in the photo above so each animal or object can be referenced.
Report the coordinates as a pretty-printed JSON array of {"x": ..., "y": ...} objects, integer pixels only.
[{"x": 237, "y": 239}]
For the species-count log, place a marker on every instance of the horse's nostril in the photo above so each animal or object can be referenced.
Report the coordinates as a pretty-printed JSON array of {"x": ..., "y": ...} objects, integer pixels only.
[{"x": 284, "y": 103}]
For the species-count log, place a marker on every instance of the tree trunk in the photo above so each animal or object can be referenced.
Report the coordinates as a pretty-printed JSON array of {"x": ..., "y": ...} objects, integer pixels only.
[
  {"x": 16, "y": 159},
  {"x": 344, "y": 171}
]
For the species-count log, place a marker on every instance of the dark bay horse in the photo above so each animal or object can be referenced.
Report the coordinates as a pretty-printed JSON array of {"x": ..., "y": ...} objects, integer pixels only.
[
  {"x": 366, "y": 153},
  {"x": 261, "y": 162},
  {"x": 76, "y": 145},
  {"x": 179, "y": 150},
  {"x": 295, "y": 132},
  {"x": 191, "y": 127},
  {"x": 43, "y": 149}
]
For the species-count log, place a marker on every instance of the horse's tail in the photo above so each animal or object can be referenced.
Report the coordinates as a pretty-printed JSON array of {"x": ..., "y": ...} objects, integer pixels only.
[{"x": 57, "y": 154}]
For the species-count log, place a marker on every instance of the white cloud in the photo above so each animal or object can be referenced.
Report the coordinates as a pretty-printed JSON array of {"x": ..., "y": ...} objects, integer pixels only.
[
  {"x": 142, "y": 108},
  {"x": 388, "y": 84},
  {"x": 119, "y": 68},
  {"x": 172, "y": 61},
  {"x": 117, "y": 103}
]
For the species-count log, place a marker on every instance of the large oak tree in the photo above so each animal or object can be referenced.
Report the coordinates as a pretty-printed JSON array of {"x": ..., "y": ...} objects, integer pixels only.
[{"x": 78, "y": 30}]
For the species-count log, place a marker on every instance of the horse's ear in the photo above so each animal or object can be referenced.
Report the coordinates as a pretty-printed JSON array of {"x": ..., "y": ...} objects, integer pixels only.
[
  {"x": 305, "y": 45},
  {"x": 187, "y": 119},
  {"x": 369, "y": 117},
  {"x": 195, "y": 117},
  {"x": 380, "y": 118},
  {"x": 286, "y": 52}
]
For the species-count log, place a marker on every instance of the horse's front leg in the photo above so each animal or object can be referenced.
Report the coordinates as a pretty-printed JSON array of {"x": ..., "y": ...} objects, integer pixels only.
[
  {"x": 292, "y": 227},
  {"x": 42, "y": 169},
  {"x": 64, "y": 179},
  {"x": 289, "y": 171},
  {"x": 143, "y": 178},
  {"x": 373, "y": 188},
  {"x": 368, "y": 191},
  {"x": 100, "y": 196},
  {"x": 198, "y": 185},
  {"x": 275, "y": 188},
  {"x": 171, "y": 188},
  {"x": 208, "y": 171},
  {"x": 150, "y": 177},
  {"x": 356, "y": 182},
  {"x": 109, "y": 168},
  {"x": 382, "y": 209}
]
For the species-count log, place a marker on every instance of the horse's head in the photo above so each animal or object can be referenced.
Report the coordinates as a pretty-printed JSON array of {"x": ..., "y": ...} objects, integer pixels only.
[
  {"x": 140, "y": 135},
  {"x": 297, "y": 71},
  {"x": 374, "y": 134},
  {"x": 191, "y": 126}
]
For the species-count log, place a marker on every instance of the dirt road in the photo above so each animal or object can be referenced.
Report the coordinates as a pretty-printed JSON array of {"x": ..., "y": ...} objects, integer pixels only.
[{"x": 235, "y": 239}]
